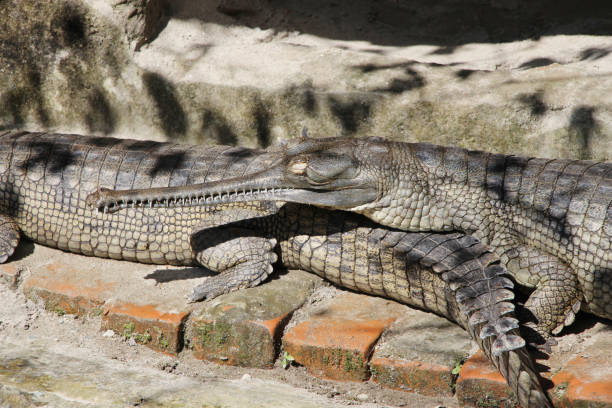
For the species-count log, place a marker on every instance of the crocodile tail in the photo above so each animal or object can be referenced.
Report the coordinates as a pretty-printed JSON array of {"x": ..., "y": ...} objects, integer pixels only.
[
  {"x": 518, "y": 369},
  {"x": 484, "y": 295}
]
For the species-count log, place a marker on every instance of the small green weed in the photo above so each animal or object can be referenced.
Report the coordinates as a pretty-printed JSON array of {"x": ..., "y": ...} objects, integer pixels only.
[
  {"x": 128, "y": 330},
  {"x": 288, "y": 360},
  {"x": 457, "y": 368}
]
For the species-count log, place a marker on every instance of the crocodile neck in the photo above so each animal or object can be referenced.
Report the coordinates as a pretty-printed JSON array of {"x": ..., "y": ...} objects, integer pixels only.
[
  {"x": 429, "y": 196},
  {"x": 491, "y": 196}
]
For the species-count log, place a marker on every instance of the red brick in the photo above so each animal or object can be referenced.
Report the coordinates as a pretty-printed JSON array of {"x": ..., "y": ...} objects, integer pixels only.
[
  {"x": 246, "y": 343},
  {"x": 416, "y": 376},
  {"x": 333, "y": 348},
  {"x": 64, "y": 289},
  {"x": 10, "y": 274},
  {"x": 418, "y": 354},
  {"x": 480, "y": 384},
  {"x": 146, "y": 324},
  {"x": 88, "y": 286},
  {"x": 584, "y": 382},
  {"x": 244, "y": 328},
  {"x": 338, "y": 342}
]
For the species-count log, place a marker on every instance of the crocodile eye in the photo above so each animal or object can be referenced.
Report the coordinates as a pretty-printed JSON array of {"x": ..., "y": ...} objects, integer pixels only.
[
  {"x": 327, "y": 168},
  {"x": 298, "y": 167},
  {"x": 316, "y": 178}
]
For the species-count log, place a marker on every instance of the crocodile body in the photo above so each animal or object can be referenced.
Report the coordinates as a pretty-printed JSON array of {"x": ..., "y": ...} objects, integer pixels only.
[
  {"x": 549, "y": 220},
  {"x": 46, "y": 179}
]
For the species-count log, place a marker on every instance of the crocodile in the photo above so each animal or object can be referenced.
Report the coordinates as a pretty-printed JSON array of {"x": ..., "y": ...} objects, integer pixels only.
[
  {"x": 45, "y": 186},
  {"x": 548, "y": 220}
]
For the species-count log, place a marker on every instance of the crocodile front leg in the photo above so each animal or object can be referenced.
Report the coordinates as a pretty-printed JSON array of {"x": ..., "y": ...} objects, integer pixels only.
[
  {"x": 9, "y": 237},
  {"x": 556, "y": 298},
  {"x": 242, "y": 259}
]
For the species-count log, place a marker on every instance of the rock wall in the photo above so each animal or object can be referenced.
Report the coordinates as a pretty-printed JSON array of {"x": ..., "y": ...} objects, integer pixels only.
[{"x": 480, "y": 74}]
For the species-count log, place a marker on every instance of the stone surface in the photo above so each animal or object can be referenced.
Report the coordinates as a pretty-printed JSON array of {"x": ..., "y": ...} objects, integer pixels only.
[
  {"x": 398, "y": 69},
  {"x": 127, "y": 295},
  {"x": 244, "y": 328},
  {"x": 33, "y": 373},
  {"x": 143, "y": 19},
  {"x": 584, "y": 380},
  {"x": 335, "y": 334},
  {"x": 64, "y": 288},
  {"x": 10, "y": 274},
  {"x": 419, "y": 352},
  {"x": 62, "y": 339},
  {"x": 336, "y": 339}
]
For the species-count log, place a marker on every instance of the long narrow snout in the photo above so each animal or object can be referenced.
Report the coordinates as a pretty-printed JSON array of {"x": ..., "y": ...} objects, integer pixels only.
[{"x": 267, "y": 185}]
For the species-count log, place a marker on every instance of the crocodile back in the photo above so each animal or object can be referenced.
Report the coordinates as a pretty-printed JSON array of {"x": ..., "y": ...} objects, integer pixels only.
[
  {"x": 45, "y": 179},
  {"x": 560, "y": 206}
]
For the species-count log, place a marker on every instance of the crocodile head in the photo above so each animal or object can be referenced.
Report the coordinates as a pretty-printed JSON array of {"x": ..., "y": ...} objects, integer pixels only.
[
  {"x": 338, "y": 173},
  {"x": 323, "y": 172}
]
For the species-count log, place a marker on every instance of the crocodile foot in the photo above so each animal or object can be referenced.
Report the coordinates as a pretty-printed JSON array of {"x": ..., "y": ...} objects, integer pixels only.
[
  {"x": 245, "y": 275},
  {"x": 9, "y": 237},
  {"x": 242, "y": 260}
]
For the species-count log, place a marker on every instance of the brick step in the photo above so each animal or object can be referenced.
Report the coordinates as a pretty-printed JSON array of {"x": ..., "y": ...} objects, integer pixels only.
[
  {"x": 343, "y": 336},
  {"x": 336, "y": 338},
  {"x": 244, "y": 328}
]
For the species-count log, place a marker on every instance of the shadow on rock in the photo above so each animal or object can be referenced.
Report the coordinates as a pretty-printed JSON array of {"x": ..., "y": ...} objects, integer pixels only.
[
  {"x": 169, "y": 275},
  {"x": 216, "y": 127},
  {"x": 101, "y": 117},
  {"x": 584, "y": 125},
  {"x": 534, "y": 102},
  {"x": 172, "y": 117},
  {"x": 448, "y": 25},
  {"x": 351, "y": 114}
]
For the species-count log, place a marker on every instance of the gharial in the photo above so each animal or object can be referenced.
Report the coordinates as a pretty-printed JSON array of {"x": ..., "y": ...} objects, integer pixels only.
[
  {"x": 46, "y": 181},
  {"x": 549, "y": 220}
]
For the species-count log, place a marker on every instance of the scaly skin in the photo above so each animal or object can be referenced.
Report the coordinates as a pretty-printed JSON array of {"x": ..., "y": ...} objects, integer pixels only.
[
  {"x": 45, "y": 181},
  {"x": 452, "y": 274},
  {"x": 550, "y": 221}
]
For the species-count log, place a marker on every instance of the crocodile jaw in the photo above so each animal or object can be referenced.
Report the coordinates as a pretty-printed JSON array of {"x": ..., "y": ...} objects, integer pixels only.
[
  {"x": 348, "y": 199},
  {"x": 269, "y": 185}
]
